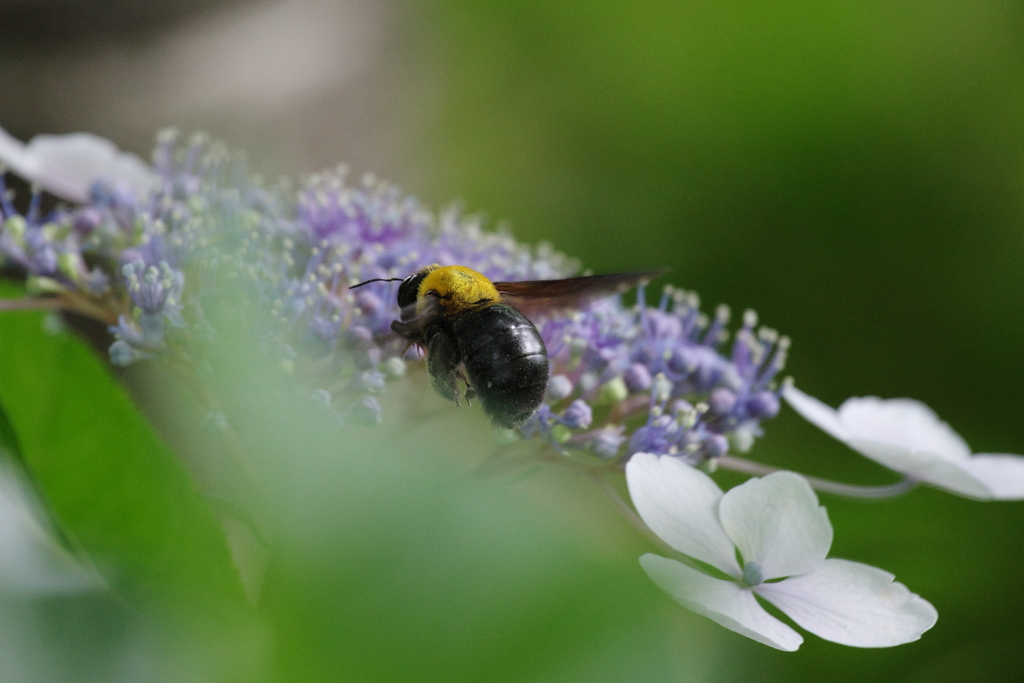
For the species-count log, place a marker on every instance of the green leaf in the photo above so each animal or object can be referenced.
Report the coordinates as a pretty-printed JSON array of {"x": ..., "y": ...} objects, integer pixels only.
[
  {"x": 8, "y": 437},
  {"x": 113, "y": 486}
]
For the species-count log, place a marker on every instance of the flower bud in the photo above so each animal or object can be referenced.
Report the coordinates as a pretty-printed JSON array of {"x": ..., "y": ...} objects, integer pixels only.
[
  {"x": 721, "y": 401},
  {"x": 715, "y": 447},
  {"x": 763, "y": 405},
  {"x": 637, "y": 378},
  {"x": 559, "y": 387},
  {"x": 578, "y": 415},
  {"x": 607, "y": 442}
]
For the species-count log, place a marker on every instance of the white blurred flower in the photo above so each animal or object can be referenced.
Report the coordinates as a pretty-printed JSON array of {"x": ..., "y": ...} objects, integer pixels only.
[
  {"x": 32, "y": 563},
  {"x": 781, "y": 532},
  {"x": 68, "y": 165},
  {"x": 906, "y": 436}
]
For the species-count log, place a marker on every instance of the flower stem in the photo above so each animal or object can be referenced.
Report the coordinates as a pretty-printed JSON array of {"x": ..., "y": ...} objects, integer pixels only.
[
  {"x": 65, "y": 302},
  {"x": 850, "y": 490},
  {"x": 30, "y": 304}
]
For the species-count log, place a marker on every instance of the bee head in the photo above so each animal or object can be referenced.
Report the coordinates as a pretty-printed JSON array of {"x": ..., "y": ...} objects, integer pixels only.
[
  {"x": 408, "y": 290},
  {"x": 410, "y": 287}
]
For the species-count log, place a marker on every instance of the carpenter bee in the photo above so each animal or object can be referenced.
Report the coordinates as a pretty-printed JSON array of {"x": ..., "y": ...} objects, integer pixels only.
[{"x": 477, "y": 333}]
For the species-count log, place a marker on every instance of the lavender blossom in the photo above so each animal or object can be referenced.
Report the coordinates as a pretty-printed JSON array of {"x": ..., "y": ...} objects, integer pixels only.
[{"x": 620, "y": 374}]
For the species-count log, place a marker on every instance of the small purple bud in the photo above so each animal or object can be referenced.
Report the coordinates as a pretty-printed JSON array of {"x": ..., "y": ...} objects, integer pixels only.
[
  {"x": 87, "y": 220},
  {"x": 643, "y": 355},
  {"x": 722, "y": 401},
  {"x": 661, "y": 325},
  {"x": 708, "y": 368},
  {"x": 763, "y": 405},
  {"x": 148, "y": 288},
  {"x": 614, "y": 356},
  {"x": 681, "y": 407},
  {"x": 657, "y": 437},
  {"x": 681, "y": 361},
  {"x": 689, "y": 439},
  {"x": 559, "y": 387},
  {"x": 578, "y": 415},
  {"x": 637, "y": 378},
  {"x": 643, "y": 440},
  {"x": 715, "y": 447},
  {"x": 44, "y": 260},
  {"x": 127, "y": 331},
  {"x": 607, "y": 442}
]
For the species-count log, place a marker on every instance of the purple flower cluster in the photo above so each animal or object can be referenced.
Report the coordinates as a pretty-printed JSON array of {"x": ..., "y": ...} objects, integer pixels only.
[
  {"x": 624, "y": 379},
  {"x": 660, "y": 376},
  {"x": 47, "y": 249}
]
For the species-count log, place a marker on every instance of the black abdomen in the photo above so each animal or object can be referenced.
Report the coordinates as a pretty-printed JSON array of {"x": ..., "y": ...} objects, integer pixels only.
[{"x": 506, "y": 362}]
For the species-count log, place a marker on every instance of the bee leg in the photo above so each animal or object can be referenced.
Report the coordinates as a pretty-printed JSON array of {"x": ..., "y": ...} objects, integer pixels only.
[
  {"x": 443, "y": 361},
  {"x": 470, "y": 389}
]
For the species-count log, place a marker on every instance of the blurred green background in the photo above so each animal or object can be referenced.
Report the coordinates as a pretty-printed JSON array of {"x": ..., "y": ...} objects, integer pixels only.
[{"x": 853, "y": 172}]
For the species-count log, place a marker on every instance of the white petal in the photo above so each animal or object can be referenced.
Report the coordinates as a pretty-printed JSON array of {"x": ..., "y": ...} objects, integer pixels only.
[
  {"x": 902, "y": 434},
  {"x": 904, "y": 423},
  {"x": 817, "y": 413},
  {"x": 679, "y": 504},
  {"x": 776, "y": 521},
  {"x": 68, "y": 165},
  {"x": 13, "y": 153},
  {"x": 724, "y": 602},
  {"x": 852, "y": 604},
  {"x": 1002, "y": 473}
]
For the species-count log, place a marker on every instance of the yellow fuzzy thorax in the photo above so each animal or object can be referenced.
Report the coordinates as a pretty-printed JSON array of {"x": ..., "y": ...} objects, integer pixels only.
[{"x": 459, "y": 288}]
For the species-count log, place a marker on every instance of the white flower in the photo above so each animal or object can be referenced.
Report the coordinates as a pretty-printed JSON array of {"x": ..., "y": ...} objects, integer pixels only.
[
  {"x": 905, "y": 435},
  {"x": 781, "y": 532},
  {"x": 68, "y": 165},
  {"x": 31, "y": 561}
]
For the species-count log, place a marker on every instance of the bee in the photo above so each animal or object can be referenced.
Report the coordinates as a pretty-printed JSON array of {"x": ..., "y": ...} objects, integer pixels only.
[{"x": 476, "y": 332}]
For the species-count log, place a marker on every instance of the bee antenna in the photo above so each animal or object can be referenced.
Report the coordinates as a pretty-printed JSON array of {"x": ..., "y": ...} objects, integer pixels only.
[{"x": 377, "y": 279}]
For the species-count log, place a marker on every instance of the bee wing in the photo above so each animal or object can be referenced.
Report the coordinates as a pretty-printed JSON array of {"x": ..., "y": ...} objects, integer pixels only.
[
  {"x": 536, "y": 297},
  {"x": 417, "y": 317}
]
